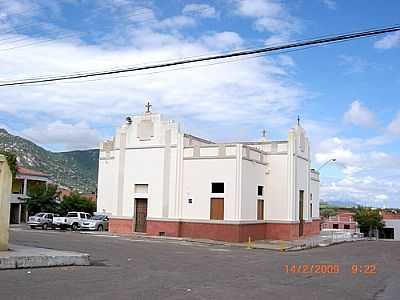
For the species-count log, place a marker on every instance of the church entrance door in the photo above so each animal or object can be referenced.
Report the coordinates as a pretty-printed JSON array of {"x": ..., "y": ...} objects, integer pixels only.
[
  {"x": 301, "y": 218},
  {"x": 140, "y": 214}
]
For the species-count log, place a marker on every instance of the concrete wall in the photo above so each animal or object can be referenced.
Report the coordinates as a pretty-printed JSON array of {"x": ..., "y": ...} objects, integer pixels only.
[
  {"x": 150, "y": 156},
  {"x": 276, "y": 188},
  {"x": 198, "y": 176},
  {"x": 253, "y": 175},
  {"x": 314, "y": 191},
  {"x": 5, "y": 191},
  {"x": 393, "y": 223}
]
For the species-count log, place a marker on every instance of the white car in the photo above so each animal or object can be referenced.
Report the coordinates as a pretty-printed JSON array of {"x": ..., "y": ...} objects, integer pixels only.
[
  {"x": 73, "y": 220},
  {"x": 42, "y": 220},
  {"x": 98, "y": 223}
]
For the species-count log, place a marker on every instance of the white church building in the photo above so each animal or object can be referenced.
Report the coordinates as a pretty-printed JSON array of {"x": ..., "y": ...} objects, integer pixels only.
[{"x": 156, "y": 179}]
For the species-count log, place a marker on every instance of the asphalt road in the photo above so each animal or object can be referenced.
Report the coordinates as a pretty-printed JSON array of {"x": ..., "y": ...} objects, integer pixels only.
[{"x": 126, "y": 269}]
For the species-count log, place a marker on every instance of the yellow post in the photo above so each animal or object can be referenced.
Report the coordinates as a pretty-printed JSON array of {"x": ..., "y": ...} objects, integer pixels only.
[
  {"x": 249, "y": 243},
  {"x": 282, "y": 245}
]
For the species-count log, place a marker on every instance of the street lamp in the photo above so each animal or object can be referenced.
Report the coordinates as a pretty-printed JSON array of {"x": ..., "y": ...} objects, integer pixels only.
[{"x": 327, "y": 162}]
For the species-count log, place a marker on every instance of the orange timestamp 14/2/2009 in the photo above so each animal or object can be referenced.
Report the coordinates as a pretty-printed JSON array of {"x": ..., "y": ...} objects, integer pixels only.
[{"x": 369, "y": 269}]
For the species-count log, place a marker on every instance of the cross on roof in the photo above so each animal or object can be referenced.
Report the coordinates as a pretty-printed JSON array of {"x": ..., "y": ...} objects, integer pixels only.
[
  {"x": 148, "y": 105},
  {"x": 264, "y": 132},
  {"x": 298, "y": 120}
]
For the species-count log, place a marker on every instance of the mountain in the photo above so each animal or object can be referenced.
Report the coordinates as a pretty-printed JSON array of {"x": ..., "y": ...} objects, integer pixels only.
[{"x": 77, "y": 169}]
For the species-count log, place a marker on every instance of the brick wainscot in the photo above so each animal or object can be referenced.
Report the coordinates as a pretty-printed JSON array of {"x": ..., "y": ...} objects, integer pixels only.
[{"x": 219, "y": 230}]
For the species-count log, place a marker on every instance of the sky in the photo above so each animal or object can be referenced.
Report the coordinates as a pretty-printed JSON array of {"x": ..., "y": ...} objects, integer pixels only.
[{"x": 347, "y": 94}]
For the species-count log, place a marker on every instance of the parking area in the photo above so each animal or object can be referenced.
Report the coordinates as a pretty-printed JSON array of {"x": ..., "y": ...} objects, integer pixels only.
[{"x": 124, "y": 268}]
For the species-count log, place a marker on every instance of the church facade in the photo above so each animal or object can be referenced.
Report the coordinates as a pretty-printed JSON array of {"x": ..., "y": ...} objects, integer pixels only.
[{"x": 155, "y": 179}]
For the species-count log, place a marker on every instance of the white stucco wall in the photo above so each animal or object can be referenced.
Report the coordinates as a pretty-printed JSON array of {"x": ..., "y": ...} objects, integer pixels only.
[
  {"x": 253, "y": 175},
  {"x": 175, "y": 174},
  {"x": 276, "y": 203},
  {"x": 198, "y": 176},
  {"x": 134, "y": 160},
  {"x": 314, "y": 190},
  {"x": 393, "y": 223}
]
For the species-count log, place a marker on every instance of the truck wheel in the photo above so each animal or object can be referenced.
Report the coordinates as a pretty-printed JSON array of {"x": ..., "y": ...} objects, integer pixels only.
[
  {"x": 33, "y": 227},
  {"x": 100, "y": 228},
  {"x": 74, "y": 227},
  {"x": 44, "y": 226}
]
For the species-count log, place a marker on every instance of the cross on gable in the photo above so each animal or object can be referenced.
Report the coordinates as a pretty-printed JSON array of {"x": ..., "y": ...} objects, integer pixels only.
[
  {"x": 148, "y": 105},
  {"x": 264, "y": 132},
  {"x": 298, "y": 120}
]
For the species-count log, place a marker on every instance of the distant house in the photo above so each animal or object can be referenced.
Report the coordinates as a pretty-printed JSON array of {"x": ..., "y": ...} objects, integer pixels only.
[
  {"x": 24, "y": 180},
  {"x": 89, "y": 196},
  {"x": 63, "y": 191},
  {"x": 342, "y": 221},
  {"x": 392, "y": 225}
]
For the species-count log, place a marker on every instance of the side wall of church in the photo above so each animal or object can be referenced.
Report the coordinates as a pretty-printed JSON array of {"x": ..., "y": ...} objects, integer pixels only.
[{"x": 198, "y": 176}]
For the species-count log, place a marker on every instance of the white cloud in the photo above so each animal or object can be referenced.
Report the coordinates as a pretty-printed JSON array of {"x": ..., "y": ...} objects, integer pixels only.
[
  {"x": 367, "y": 174},
  {"x": 354, "y": 64},
  {"x": 223, "y": 40},
  {"x": 176, "y": 22},
  {"x": 202, "y": 10},
  {"x": 394, "y": 126},
  {"x": 69, "y": 136},
  {"x": 259, "y": 8},
  {"x": 270, "y": 16},
  {"x": 215, "y": 94},
  {"x": 331, "y": 4},
  {"x": 359, "y": 115},
  {"x": 389, "y": 41}
]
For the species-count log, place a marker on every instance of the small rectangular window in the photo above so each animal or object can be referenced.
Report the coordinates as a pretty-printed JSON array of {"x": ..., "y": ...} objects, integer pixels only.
[
  {"x": 260, "y": 190},
  {"x": 310, "y": 210},
  {"x": 217, "y": 187},
  {"x": 346, "y": 226},
  {"x": 335, "y": 226},
  {"x": 141, "y": 188},
  {"x": 82, "y": 216}
]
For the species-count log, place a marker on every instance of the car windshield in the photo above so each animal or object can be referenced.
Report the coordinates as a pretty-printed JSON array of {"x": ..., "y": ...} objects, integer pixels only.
[
  {"x": 98, "y": 217},
  {"x": 39, "y": 215}
]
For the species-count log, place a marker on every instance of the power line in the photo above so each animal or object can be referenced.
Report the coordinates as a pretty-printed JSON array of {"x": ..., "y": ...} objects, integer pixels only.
[{"x": 317, "y": 41}]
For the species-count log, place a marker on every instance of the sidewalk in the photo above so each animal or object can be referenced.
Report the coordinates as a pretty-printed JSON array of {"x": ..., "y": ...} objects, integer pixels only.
[
  {"x": 19, "y": 257},
  {"x": 275, "y": 245}
]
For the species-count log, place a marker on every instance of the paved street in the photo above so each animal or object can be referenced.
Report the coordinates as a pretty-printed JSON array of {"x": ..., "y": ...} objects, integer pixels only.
[{"x": 126, "y": 269}]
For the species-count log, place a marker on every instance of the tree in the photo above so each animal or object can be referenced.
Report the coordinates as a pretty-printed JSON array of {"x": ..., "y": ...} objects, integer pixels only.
[
  {"x": 76, "y": 202},
  {"x": 41, "y": 199},
  {"x": 327, "y": 212},
  {"x": 369, "y": 220}
]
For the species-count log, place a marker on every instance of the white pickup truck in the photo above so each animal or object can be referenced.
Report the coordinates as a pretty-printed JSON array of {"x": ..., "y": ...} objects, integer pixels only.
[{"x": 73, "y": 220}]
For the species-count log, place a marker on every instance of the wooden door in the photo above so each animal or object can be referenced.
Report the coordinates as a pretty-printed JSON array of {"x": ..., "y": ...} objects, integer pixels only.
[
  {"x": 217, "y": 209},
  {"x": 140, "y": 215},
  {"x": 301, "y": 206},
  {"x": 260, "y": 209}
]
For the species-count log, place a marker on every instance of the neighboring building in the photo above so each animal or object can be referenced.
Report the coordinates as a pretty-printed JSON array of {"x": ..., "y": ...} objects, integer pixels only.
[
  {"x": 63, "y": 191},
  {"x": 153, "y": 178},
  {"x": 89, "y": 196},
  {"x": 342, "y": 221},
  {"x": 392, "y": 225},
  {"x": 24, "y": 180}
]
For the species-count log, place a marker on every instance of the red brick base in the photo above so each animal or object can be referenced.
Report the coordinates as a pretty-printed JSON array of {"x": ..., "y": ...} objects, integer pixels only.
[
  {"x": 221, "y": 232},
  {"x": 116, "y": 225}
]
